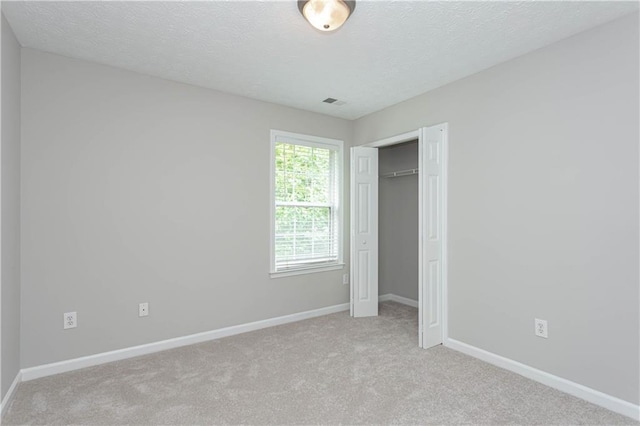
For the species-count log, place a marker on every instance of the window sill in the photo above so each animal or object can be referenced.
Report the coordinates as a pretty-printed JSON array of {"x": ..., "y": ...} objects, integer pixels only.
[{"x": 309, "y": 270}]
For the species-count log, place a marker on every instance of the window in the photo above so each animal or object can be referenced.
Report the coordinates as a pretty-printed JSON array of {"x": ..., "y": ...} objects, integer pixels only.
[{"x": 306, "y": 196}]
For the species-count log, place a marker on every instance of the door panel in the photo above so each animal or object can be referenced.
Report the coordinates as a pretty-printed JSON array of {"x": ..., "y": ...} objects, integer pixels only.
[
  {"x": 364, "y": 232},
  {"x": 432, "y": 140}
]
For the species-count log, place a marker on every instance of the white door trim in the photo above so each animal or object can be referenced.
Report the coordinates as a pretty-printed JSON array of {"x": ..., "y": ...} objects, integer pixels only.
[
  {"x": 444, "y": 291},
  {"x": 1, "y": 407},
  {"x": 394, "y": 140},
  {"x": 407, "y": 137}
]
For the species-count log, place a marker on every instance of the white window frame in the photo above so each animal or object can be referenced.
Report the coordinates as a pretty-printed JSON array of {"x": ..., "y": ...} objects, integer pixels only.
[{"x": 317, "y": 142}]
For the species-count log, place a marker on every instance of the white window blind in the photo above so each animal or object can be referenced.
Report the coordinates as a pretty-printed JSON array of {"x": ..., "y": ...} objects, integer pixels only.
[{"x": 306, "y": 197}]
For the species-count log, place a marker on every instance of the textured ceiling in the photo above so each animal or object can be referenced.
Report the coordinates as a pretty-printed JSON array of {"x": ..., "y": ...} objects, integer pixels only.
[{"x": 388, "y": 51}]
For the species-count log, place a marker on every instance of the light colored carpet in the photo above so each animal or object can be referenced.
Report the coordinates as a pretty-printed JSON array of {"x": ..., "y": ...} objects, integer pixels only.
[{"x": 327, "y": 370}]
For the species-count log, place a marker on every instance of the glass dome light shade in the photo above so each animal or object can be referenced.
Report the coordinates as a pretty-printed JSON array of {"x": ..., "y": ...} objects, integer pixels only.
[{"x": 326, "y": 15}]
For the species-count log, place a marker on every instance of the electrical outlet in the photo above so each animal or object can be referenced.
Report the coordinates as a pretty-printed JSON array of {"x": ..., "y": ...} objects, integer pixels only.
[
  {"x": 143, "y": 309},
  {"x": 345, "y": 279},
  {"x": 541, "y": 329},
  {"x": 70, "y": 320}
]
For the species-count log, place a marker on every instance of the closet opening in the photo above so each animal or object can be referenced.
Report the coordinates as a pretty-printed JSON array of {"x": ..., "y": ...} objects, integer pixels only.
[
  {"x": 378, "y": 171},
  {"x": 398, "y": 233}
]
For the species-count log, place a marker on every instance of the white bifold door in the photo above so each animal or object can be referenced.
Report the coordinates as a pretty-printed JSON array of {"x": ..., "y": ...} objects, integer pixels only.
[
  {"x": 364, "y": 232},
  {"x": 431, "y": 250},
  {"x": 431, "y": 229}
]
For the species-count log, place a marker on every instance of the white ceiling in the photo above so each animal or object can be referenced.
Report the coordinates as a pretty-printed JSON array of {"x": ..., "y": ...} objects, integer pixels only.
[{"x": 388, "y": 51}]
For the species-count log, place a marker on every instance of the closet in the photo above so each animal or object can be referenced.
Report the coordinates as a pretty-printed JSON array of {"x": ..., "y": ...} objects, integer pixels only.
[
  {"x": 399, "y": 227},
  {"x": 398, "y": 221}
]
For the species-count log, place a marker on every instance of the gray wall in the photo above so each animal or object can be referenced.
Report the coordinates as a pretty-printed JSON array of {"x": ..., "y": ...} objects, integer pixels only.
[
  {"x": 543, "y": 204},
  {"x": 398, "y": 222},
  {"x": 10, "y": 215},
  {"x": 138, "y": 189}
]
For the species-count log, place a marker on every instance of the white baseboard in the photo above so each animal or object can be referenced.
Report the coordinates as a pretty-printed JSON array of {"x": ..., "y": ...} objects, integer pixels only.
[
  {"x": 596, "y": 397},
  {"x": 384, "y": 298},
  {"x": 9, "y": 395},
  {"x": 105, "y": 357},
  {"x": 395, "y": 298}
]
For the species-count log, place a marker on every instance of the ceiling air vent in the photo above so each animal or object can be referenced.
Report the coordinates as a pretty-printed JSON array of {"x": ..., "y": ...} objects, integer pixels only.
[{"x": 333, "y": 101}]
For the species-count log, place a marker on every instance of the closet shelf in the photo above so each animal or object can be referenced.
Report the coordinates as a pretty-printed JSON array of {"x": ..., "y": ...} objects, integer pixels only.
[{"x": 400, "y": 173}]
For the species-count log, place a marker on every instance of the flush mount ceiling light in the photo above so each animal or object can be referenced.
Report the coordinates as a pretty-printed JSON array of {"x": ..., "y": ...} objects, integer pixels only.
[{"x": 326, "y": 15}]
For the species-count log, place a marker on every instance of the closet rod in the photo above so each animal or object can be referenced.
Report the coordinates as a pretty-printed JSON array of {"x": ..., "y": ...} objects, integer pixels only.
[{"x": 400, "y": 173}]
